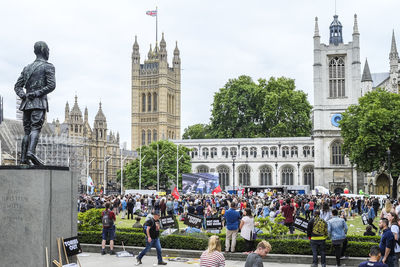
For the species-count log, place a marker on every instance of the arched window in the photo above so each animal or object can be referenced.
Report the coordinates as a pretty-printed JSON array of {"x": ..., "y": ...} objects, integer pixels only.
[
  {"x": 225, "y": 152},
  {"x": 155, "y": 102},
  {"x": 205, "y": 152},
  {"x": 143, "y": 137},
  {"x": 148, "y": 137},
  {"x": 143, "y": 103},
  {"x": 337, "y": 157},
  {"x": 308, "y": 174},
  {"x": 336, "y": 77},
  {"x": 294, "y": 152},
  {"x": 287, "y": 175},
  {"x": 149, "y": 102},
  {"x": 245, "y": 151},
  {"x": 274, "y": 151},
  {"x": 306, "y": 151},
  {"x": 223, "y": 173},
  {"x": 233, "y": 151},
  {"x": 154, "y": 135},
  {"x": 203, "y": 169},
  {"x": 285, "y": 151},
  {"x": 265, "y": 175},
  {"x": 213, "y": 152},
  {"x": 312, "y": 151},
  {"x": 253, "y": 152},
  {"x": 264, "y": 151},
  {"x": 244, "y": 175},
  {"x": 194, "y": 152}
]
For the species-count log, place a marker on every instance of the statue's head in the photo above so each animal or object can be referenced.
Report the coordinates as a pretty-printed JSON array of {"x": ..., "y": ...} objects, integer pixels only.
[{"x": 41, "y": 50}]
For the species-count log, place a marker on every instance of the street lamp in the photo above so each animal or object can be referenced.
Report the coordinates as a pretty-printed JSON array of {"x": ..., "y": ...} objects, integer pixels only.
[
  {"x": 122, "y": 170},
  {"x": 104, "y": 178},
  {"x": 177, "y": 167},
  {"x": 158, "y": 170},
  {"x": 394, "y": 187},
  {"x": 233, "y": 166}
]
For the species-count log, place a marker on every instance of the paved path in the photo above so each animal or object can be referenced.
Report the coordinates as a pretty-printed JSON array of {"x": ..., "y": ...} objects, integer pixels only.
[{"x": 97, "y": 260}]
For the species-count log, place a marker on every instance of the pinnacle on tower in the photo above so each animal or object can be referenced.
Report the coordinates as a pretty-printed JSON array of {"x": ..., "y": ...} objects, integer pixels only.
[
  {"x": 176, "y": 50},
  {"x": 150, "y": 54},
  {"x": 316, "y": 30},
  {"x": 86, "y": 114},
  {"x": 393, "y": 50},
  {"x": 335, "y": 30},
  {"x": 355, "y": 27},
  {"x": 366, "y": 76},
  {"x": 136, "y": 45},
  {"x": 163, "y": 44}
]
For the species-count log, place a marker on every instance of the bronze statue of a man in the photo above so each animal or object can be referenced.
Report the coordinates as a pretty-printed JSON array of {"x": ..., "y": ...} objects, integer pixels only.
[{"x": 38, "y": 79}]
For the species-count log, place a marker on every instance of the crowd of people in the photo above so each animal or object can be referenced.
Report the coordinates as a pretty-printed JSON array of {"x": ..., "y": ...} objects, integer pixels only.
[{"x": 326, "y": 216}]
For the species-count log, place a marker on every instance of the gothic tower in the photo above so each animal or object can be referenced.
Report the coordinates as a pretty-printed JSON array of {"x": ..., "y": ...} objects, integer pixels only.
[
  {"x": 394, "y": 67},
  {"x": 156, "y": 96},
  {"x": 337, "y": 84}
]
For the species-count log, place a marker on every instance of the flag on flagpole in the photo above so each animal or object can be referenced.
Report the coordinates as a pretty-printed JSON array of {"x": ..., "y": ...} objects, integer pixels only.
[
  {"x": 217, "y": 190},
  {"x": 175, "y": 193},
  {"x": 89, "y": 181},
  {"x": 152, "y": 13}
]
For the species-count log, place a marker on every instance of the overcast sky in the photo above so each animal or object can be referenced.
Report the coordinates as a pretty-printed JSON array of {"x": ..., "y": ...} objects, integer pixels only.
[{"x": 91, "y": 43}]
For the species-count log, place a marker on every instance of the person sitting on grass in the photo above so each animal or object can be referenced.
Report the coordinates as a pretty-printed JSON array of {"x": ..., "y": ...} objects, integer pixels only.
[
  {"x": 374, "y": 258},
  {"x": 368, "y": 231},
  {"x": 137, "y": 223}
]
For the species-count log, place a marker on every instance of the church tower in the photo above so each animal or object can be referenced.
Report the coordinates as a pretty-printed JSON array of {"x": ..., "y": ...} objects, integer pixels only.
[
  {"x": 156, "y": 96},
  {"x": 337, "y": 85},
  {"x": 394, "y": 67}
]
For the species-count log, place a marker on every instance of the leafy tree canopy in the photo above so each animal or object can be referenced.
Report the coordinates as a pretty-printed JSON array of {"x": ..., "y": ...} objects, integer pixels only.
[
  {"x": 370, "y": 128},
  {"x": 245, "y": 109},
  {"x": 167, "y": 167},
  {"x": 197, "y": 131}
]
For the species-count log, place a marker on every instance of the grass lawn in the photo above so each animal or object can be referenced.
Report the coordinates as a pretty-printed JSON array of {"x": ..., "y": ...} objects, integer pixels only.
[{"x": 356, "y": 227}]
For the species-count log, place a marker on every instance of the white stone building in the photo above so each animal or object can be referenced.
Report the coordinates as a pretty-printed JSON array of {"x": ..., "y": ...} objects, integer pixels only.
[{"x": 316, "y": 160}]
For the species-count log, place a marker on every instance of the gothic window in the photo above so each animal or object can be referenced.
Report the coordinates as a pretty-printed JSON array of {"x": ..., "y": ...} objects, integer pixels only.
[
  {"x": 308, "y": 174},
  {"x": 148, "y": 137},
  {"x": 265, "y": 175},
  {"x": 244, "y": 175},
  {"x": 294, "y": 152},
  {"x": 205, "y": 152},
  {"x": 312, "y": 151},
  {"x": 223, "y": 173},
  {"x": 233, "y": 151},
  {"x": 264, "y": 151},
  {"x": 143, "y": 137},
  {"x": 154, "y": 135},
  {"x": 155, "y": 102},
  {"x": 149, "y": 102},
  {"x": 225, "y": 152},
  {"x": 253, "y": 152},
  {"x": 143, "y": 102},
  {"x": 306, "y": 151},
  {"x": 285, "y": 151},
  {"x": 194, "y": 152},
  {"x": 287, "y": 175},
  {"x": 213, "y": 152},
  {"x": 274, "y": 151},
  {"x": 336, "y": 77},
  {"x": 245, "y": 151},
  {"x": 203, "y": 169},
  {"x": 337, "y": 157}
]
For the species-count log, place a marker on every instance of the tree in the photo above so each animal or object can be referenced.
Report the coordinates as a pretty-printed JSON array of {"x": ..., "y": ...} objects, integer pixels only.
[
  {"x": 167, "y": 166},
  {"x": 371, "y": 129},
  {"x": 196, "y": 131},
  {"x": 245, "y": 109}
]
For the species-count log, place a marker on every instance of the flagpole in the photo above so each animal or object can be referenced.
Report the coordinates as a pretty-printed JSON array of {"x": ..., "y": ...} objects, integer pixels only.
[{"x": 156, "y": 24}]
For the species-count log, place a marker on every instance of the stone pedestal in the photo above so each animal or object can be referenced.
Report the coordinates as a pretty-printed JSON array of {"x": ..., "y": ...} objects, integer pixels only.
[{"x": 37, "y": 205}]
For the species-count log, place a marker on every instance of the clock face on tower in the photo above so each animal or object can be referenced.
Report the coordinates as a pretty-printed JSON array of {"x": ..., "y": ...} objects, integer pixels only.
[{"x": 335, "y": 119}]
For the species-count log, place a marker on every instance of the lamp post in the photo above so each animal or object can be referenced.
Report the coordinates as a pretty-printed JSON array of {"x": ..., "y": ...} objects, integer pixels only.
[
  {"x": 233, "y": 172},
  {"x": 105, "y": 174},
  {"x": 122, "y": 171},
  {"x": 140, "y": 167},
  {"x": 177, "y": 166},
  {"x": 158, "y": 169},
  {"x": 394, "y": 186}
]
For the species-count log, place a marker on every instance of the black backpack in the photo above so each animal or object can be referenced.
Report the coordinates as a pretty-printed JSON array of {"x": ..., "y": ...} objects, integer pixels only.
[{"x": 106, "y": 220}]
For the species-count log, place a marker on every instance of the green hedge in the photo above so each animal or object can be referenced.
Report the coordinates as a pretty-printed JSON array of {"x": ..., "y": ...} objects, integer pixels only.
[{"x": 199, "y": 242}]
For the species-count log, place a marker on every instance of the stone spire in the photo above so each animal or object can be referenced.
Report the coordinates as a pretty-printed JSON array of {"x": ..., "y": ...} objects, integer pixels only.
[
  {"x": 366, "y": 76},
  {"x": 163, "y": 49},
  {"x": 393, "y": 50},
  {"x": 136, "y": 45},
  {"x": 355, "y": 27},
  {"x": 316, "y": 30},
  {"x": 86, "y": 115},
  {"x": 66, "y": 113},
  {"x": 150, "y": 54},
  {"x": 177, "y": 60}
]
